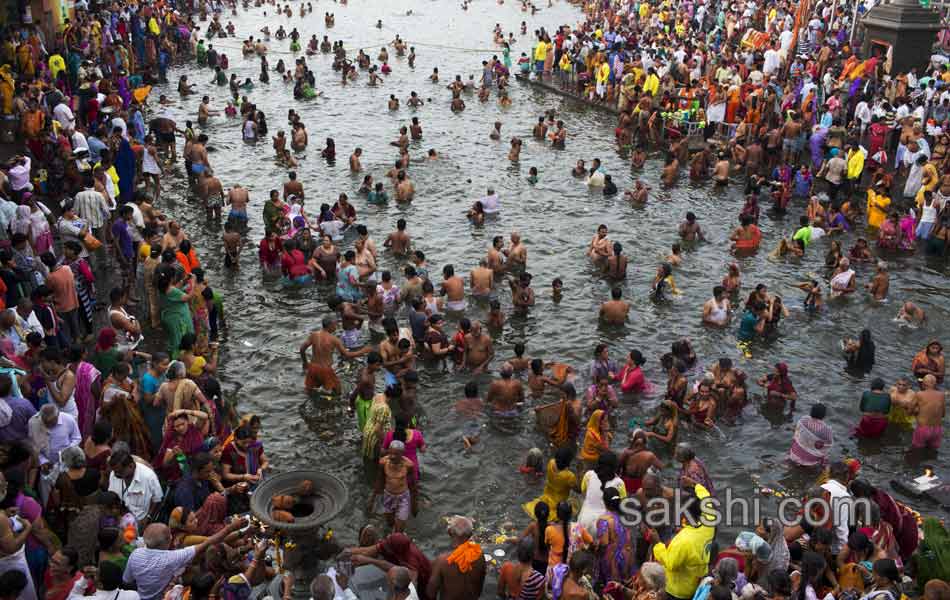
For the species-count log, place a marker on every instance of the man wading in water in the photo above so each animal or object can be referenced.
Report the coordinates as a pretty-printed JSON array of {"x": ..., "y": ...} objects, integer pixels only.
[{"x": 319, "y": 371}]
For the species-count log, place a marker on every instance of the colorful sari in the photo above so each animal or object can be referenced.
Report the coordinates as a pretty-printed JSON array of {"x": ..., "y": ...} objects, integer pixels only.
[
  {"x": 616, "y": 560},
  {"x": 86, "y": 403},
  {"x": 190, "y": 443},
  {"x": 378, "y": 424},
  {"x": 594, "y": 439}
]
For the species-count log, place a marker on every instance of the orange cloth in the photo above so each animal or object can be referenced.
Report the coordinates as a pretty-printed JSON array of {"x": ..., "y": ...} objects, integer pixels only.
[
  {"x": 465, "y": 555},
  {"x": 594, "y": 441},
  {"x": 320, "y": 376}
]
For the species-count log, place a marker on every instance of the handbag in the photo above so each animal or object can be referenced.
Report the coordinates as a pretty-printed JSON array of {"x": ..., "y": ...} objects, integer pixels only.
[{"x": 91, "y": 242}]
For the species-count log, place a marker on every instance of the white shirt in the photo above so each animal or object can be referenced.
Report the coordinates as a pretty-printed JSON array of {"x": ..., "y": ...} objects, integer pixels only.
[
  {"x": 64, "y": 115},
  {"x": 841, "y": 513},
  {"x": 862, "y": 112},
  {"x": 785, "y": 39},
  {"x": 79, "y": 141},
  {"x": 138, "y": 495}
]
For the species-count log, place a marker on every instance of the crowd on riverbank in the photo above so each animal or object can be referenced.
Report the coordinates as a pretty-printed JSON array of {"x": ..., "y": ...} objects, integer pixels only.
[{"x": 126, "y": 474}]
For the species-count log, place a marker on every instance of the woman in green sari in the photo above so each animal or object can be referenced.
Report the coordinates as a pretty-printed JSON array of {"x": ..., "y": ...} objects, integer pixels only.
[
  {"x": 176, "y": 316},
  {"x": 379, "y": 421}
]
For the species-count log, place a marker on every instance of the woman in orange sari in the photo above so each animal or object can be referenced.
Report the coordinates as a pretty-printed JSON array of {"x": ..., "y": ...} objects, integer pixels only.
[{"x": 597, "y": 438}]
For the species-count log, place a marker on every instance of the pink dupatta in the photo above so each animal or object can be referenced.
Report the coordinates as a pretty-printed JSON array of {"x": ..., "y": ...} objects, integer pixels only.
[{"x": 87, "y": 405}]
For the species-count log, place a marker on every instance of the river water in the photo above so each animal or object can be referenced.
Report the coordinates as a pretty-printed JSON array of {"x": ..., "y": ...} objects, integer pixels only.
[{"x": 556, "y": 217}]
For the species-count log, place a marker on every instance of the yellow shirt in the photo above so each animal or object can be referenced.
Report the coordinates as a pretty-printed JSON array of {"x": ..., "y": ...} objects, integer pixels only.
[
  {"x": 603, "y": 74},
  {"x": 686, "y": 557},
  {"x": 153, "y": 26},
  {"x": 540, "y": 51},
  {"x": 644, "y": 10},
  {"x": 56, "y": 64},
  {"x": 652, "y": 84},
  {"x": 565, "y": 63},
  {"x": 855, "y": 164}
]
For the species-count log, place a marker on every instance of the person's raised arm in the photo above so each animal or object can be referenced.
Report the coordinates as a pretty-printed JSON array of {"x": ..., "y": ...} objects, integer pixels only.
[{"x": 218, "y": 537}]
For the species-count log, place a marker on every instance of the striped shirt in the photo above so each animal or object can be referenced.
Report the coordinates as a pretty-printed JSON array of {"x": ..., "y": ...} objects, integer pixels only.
[
  {"x": 532, "y": 587},
  {"x": 151, "y": 570}
]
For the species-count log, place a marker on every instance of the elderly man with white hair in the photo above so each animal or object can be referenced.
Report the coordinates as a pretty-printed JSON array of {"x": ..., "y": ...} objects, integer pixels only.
[
  {"x": 459, "y": 574},
  {"x": 51, "y": 432},
  {"x": 153, "y": 567}
]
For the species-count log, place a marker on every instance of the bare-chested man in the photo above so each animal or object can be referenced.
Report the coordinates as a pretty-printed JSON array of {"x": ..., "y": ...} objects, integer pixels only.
[
  {"x": 517, "y": 253},
  {"x": 635, "y": 461},
  {"x": 355, "y": 165},
  {"x": 453, "y": 288},
  {"x": 238, "y": 199},
  {"x": 204, "y": 111},
  {"x": 211, "y": 194},
  {"x": 615, "y": 311},
  {"x": 478, "y": 349},
  {"x": 405, "y": 189},
  {"x": 930, "y": 407},
  {"x": 721, "y": 170},
  {"x": 293, "y": 187},
  {"x": 352, "y": 319},
  {"x": 600, "y": 248},
  {"x": 457, "y": 580},
  {"x": 298, "y": 138},
  {"x": 232, "y": 246},
  {"x": 399, "y": 241},
  {"x": 880, "y": 283},
  {"x": 792, "y": 138},
  {"x": 482, "y": 280},
  {"x": 495, "y": 258},
  {"x": 280, "y": 143},
  {"x": 397, "y": 499},
  {"x": 540, "y": 130},
  {"x": 506, "y": 393},
  {"x": 319, "y": 370},
  {"x": 911, "y": 313},
  {"x": 198, "y": 155}
]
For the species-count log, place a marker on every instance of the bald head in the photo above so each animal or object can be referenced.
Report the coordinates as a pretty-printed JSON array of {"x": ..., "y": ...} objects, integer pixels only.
[
  {"x": 399, "y": 580},
  {"x": 322, "y": 588},
  {"x": 157, "y": 536}
]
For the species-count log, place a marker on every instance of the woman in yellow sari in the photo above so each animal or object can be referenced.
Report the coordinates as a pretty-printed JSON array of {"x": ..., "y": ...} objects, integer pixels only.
[
  {"x": 598, "y": 436},
  {"x": 558, "y": 482}
]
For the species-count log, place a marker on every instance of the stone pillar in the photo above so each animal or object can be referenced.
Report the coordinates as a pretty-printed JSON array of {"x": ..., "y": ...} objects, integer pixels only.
[{"x": 907, "y": 27}]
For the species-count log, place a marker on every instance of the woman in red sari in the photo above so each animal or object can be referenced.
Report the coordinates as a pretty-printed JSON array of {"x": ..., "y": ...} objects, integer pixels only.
[{"x": 182, "y": 440}]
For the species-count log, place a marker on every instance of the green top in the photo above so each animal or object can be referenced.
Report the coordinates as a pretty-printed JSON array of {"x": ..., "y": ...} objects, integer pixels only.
[
  {"x": 803, "y": 234},
  {"x": 375, "y": 197},
  {"x": 875, "y": 402},
  {"x": 106, "y": 360}
]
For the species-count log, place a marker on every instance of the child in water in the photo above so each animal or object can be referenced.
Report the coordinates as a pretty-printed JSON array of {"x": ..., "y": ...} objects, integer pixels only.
[
  {"x": 537, "y": 380},
  {"x": 230, "y": 110},
  {"x": 533, "y": 175},
  {"x": 471, "y": 407}
]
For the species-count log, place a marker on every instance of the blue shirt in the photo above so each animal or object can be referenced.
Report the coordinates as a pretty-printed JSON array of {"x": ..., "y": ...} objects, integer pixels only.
[
  {"x": 191, "y": 493},
  {"x": 95, "y": 147},
  {"x": 747, "y": 326},
  {"x": 120, "y": 232}
]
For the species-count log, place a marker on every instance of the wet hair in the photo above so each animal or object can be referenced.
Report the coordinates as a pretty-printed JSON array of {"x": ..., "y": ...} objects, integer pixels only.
[
  {"x": 525, "y": 549},
  {"x": 606, "y": 470},
  {"x": 541, "y": 514},
  {"x": 564, "y": 513},
  {"x": 519, "y": 349},
  {"x": 401, "y": 431},
  {"x": 563, "y": 457},
  {"x": 471, "y": 389},
  {"x": 818, "y": 411}
]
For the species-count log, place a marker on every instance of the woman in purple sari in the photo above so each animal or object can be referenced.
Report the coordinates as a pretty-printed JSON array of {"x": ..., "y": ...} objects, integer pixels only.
[
  {"x": 181, "y": 441},
  {"x": 616, "y": 556}
]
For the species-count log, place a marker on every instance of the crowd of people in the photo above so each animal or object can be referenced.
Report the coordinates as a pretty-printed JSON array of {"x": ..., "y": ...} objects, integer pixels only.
[{"x": 126, "y": 472}]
